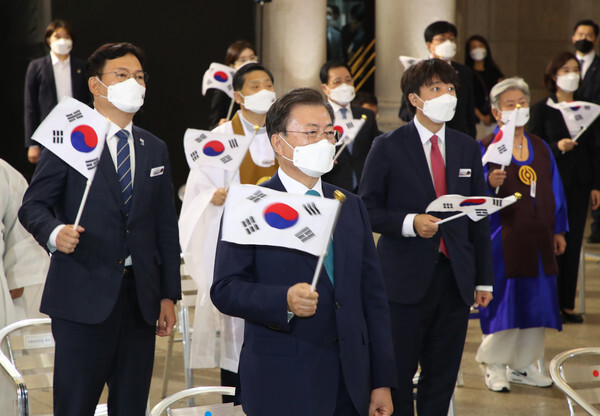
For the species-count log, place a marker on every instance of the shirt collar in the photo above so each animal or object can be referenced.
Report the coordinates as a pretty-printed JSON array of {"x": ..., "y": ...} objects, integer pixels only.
[
  {"x": 56, "y": 61},
  {"x": 587, "y": 58},
  {"x": 249, "y": 126},
  {"x": 292, "y": 186},
  {"x": 336, "y": 107},
  {"x": 425, "y": 134}
]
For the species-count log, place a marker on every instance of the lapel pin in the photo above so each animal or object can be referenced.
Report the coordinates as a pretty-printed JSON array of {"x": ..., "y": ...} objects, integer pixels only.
[
  {"x": 141, "y": 142},
  {"x": 78, "y": 71}
]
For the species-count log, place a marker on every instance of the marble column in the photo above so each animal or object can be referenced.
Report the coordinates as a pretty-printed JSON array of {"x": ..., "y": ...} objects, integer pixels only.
[
  {"x": 294, "y": 42},
  {"x": 399, "y": 28}
]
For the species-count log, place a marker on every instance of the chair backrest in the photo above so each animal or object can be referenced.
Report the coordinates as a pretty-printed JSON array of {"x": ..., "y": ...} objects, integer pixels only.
[
  {"x": 27, "y": 356},
  {"x": 577, "y": 374},
  {"x": 168, "y": 406}
]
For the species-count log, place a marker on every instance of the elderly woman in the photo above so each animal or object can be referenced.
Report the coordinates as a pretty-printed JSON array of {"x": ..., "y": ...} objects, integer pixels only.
[
  {"x": 578, "y": 163},
  {"x": 526, "y": 237}
]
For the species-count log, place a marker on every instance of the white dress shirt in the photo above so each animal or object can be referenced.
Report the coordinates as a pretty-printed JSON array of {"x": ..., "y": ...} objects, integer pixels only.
[
  {"x": 62, "y": 76},
  {"x": 338, "y": 114}
]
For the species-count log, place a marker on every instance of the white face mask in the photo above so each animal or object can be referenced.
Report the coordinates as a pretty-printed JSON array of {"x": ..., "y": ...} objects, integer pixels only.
[
  {"x": 440, "y": 109},
  {"x": 478, "y": 54},
  {"x": 342, "y": 94},
  {"x": 314, "y": 159},
  {"x": 260, "y": 102},
  {"x": 446, "y": 49},
  {"x": 127, "y": 96},
  {"x": 568, "y": 82},
  {"x": 522, "y": 116},
  {"x": 61, "y": 46}
]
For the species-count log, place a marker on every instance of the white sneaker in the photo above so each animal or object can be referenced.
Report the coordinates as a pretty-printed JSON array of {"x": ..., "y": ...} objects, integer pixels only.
[
  {"x": 495, "y": 378},
  {"x": 529, "y": 376}
]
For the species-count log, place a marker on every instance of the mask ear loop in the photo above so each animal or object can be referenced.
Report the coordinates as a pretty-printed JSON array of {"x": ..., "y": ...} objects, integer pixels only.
[{"x": 286, "y": 158}]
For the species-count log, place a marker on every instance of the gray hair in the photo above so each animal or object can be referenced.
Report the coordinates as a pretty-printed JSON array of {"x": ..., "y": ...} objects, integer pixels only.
[{"x": 509, "y": 84}]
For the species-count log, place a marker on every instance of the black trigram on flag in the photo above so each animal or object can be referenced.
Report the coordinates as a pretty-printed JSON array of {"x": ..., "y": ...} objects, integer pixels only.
[
  {"x": 200, "y": 138},
  {"x": 349, "y": 124},
  {"x": 229, "y": 87},
  {"x": 311, "y": 208},
  {"x": 250, "y": 225},
  {"x": 233, "y": 143},
  {"x": 586, "y": 107},
  {"x": 305, "y": 234},
  {"x": 578, "y": 117},
  {"x": 497, "y": 202},
  {"x": 256, "y": 196},
  {"x": 226, "y": 159},
  {"x": 448, "y": 205},
  {"x": 502, "y": 149},
  {"x": 91, "y": 164},
  {"x": 57, "y": 136},
  {"x": 194, "y": 155},
  {"x": 74, "y": 116},
  {"x": 481, "y": 212}
]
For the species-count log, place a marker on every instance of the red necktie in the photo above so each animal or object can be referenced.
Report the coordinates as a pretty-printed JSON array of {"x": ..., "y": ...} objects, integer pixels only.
[{"x": 438, "y": 169}]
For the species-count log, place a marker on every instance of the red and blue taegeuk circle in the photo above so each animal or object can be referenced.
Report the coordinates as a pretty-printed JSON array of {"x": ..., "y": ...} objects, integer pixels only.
[
  {"x": 340, "y": 129},
  {"x": 280, "y": 216},
  {"x": 213, "y": 148},
  {"x": 84, "y": 138},
  {"x": 472, "y": 201},
  {"x": 221, "y": 76}
]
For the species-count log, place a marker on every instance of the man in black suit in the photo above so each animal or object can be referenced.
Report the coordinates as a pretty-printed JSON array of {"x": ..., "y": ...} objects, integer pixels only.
[
  {"x": 50, "y": 78},
  {"x": 117, "y": 274},
  {"x": 440, "y": 38},
  {"x": 585, "y": 40},
  {"x": 431, "y": 272},
  {"x": 338, "y": 86}
]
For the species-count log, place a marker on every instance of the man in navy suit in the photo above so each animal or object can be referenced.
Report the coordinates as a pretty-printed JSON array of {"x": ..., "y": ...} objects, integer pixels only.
[
  {"x": 114, "y": 277},
  {"x": 300, "y": 358},
  {"x": 431, "y": 272},
  {"x": 51, "y": 78}
]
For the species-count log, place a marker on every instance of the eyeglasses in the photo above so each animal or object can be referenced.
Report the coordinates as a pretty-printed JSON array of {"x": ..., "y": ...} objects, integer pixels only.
[
  {"x": 123, "y": 75},
  {"x": 312, "y": 135}
]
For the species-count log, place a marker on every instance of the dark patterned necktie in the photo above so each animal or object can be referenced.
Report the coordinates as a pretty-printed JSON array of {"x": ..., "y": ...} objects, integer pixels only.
[{"x": 124, "y": 168}]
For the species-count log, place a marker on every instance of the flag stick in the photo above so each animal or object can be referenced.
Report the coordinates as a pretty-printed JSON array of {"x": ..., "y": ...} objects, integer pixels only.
[
  {"x": 498, "y": 187},
  {"x": 508, "y": 199},
  {"x": 460, "y": 214},
  {"x": 340, "y": 197},
  {"x": 83, "y": 199},
  {"x": 256, "y": 127},
  {"x": 230, "y": 109},
  {"x": 341, "y": 150}
]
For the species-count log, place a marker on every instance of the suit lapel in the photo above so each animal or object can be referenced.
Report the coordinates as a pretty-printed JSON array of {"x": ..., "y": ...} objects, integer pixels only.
[
  {"x": 413, "y": 147},
  {"x": 340, "y": 249},
  {"x": 49, "y": 74},
  {"x": 452, "y": 162},
  {"x": 141, "y": 168}
]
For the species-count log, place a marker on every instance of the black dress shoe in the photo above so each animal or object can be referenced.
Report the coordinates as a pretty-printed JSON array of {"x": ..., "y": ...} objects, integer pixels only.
[{"x": 574, "y": 318}]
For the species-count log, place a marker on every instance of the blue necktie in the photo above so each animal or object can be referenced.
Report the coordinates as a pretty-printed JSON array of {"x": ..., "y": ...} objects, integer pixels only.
[
  {"x": 328, "y": 261},
  {"x": 124, "y": 168}
]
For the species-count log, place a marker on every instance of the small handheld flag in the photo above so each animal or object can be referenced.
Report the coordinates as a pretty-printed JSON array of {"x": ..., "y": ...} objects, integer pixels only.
[
  {"x": 409, "y": 61},
  {"x": 348, "y": 129},
  {"x": 578, "y": 115},
  {"x": 262, "y": 216},
  {"x": 219, "y": 77},
  {"x": 500, "y": 150},
  {"x": 205, "y": 148},
  {"x": 475, "y": 207}
]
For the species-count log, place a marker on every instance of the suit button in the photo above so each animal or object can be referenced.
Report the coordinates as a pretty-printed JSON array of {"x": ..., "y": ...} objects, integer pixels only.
[
  {"x": 121, "y": 261},
  {"x": 337, "y": 305},
  {"x": 127, "y": 231}
]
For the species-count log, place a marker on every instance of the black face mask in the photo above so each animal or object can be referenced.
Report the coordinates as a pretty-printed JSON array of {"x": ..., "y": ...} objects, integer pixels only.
[{"x": 584, "y": 45}]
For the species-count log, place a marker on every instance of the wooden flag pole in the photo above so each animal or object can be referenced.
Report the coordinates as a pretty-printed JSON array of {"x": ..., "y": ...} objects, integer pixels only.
[
  {"x": 340, "y": 197},
  {"x": 83, "y": 199},
  {"x": 501, "y": 170},
  {"x": 230, "y": 109},
  {"x": 256, "y": 127}
]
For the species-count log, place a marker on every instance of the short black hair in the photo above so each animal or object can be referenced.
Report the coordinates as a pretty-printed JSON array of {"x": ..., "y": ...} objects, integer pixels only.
[
  {"x": 324, "y": 72},
  {"x": 278, "y": 115},
  {"x": 438, "y": 28},
  {"x": 364, "y": 97},
  {"x": 97, "y": 60},
  {"x": 239, "y": 78},
  {"x": 587, "y": 22},
  {"x": 54, "y": 26},
  {"x": 423, "y": 74}
]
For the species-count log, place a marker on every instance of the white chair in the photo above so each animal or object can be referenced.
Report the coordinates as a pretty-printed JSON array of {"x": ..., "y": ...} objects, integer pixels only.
[
  {"x": 165, "y": 406},
  {"x": 27, "y": 356},
  {"x": 577, "y": 374}
]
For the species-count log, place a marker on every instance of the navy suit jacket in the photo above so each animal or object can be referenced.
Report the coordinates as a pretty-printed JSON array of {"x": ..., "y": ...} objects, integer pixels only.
[
  {"x": 397, "y": 182},
  {"x": 293, "y": 368},
  {"x": 84, "y": 286},
  {"x": 341, "y": 174},
  {"x": 40, "y": 91}
]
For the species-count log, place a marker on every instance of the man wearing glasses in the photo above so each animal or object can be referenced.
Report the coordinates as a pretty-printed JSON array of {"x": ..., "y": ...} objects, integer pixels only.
[
  {"x": 299, "y": 358},
  {"x": 113, "y": 281}
]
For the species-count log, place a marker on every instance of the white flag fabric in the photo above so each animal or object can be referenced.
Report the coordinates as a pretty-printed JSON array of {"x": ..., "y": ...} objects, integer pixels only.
[
  {"x": 262, "y": 216},
  {"x": 348, "y": 129},
  {"x": 75, "y": 133},
  {"x": 500, "y": 149},
  {"x": 409, "y": 61},
  {"x": 205, "y": 148},
  {"x": 475, "y": 207},
  {"x": 220, "y": 77},
  {"x": 578, "y": 115}
]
